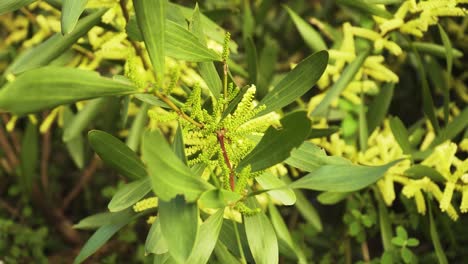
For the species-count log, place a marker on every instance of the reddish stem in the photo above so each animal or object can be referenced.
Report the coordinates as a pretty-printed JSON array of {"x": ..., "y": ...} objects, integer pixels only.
[{"x": 220, "y": 136}]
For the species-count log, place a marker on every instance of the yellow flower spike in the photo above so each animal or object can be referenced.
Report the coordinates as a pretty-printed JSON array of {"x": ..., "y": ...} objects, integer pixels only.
[
  {"x": 365, "y": 33},
  {"x": 464, "y": 145},
  {"x": 151, "y": 220},
  {"x": 348, "y": 40},
  {"x": 10, "y": 126},
  {"x": 447, "y": 196},
  {"x": 47, "y": 122},
  {"x": 146, "y": 204},
  {"x": 341, "y": 55},
  {"x": 387, "y": 189},
  {"x": 33, "y": 119},
  {"x": 420, "y": 203},
  {"x": 464, "y": 201}
]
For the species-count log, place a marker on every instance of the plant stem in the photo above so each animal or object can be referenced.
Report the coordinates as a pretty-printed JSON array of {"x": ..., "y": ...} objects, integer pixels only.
[
  {"x": 174, "y": 107},
  {"x": 220, "y": 136},
  {"x": 239, "y": 243},
  {"x": 46, "y": 149},
  {"x": 365, "y": 252}
]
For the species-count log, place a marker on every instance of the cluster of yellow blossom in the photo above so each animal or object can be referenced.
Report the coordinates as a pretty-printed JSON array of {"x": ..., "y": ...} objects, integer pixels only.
[{"x": 383, "y": 148}]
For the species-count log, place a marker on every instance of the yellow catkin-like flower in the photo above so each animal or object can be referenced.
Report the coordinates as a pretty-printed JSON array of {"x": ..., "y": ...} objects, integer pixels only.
[
  {"x": 464, "y": 201},
  {"x": 10, "y": 126},
  {"x": 48, "y": 121},
  {"x": 146, "y": 204},
  {"x": 447, "y": 196},
  {"x": 151, "y": 220},
  {"x": 420, "y": 203}
]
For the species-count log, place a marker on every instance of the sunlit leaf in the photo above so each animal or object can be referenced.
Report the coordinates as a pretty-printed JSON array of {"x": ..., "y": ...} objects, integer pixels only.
[
  {"x": 71, "y": 11},
  {"x": 129, "y": 194}
]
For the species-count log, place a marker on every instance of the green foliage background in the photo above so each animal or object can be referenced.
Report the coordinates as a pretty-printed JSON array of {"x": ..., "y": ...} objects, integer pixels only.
[{"x": 233, "y": 131}]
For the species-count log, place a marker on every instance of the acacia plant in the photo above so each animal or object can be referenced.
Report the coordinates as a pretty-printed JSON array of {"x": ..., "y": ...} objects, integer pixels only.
[{"x": 209, "y": 160}]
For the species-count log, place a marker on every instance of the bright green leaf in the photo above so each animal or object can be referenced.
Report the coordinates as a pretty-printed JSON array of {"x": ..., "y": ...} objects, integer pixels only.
[
  {"x": 82, "y": 119},
  {"x": 378, "y": 108},
  {"x": 270, "y": 181},
  {"x": 296, "y": 83},
  {"x": 330, "y": 198},
  {"x": 276, "y": 145},
  {"x": 116, "y": 154},
  {"x": 155, "y": 241},
  {"x": 401, "y": 135},
  {"x": 341, "y": 178},
  {"x": 12, "y": 5},
  {"x": 52, "y": 86},
  {"x": 179, "y": 226},
  {"x": 207, "y": 238},
  {"x": 169, "y": 175},
  {"x": 366, "y": 8},
  {"x": 101, "y": 219},
  {"x": 151, "y": 18},
  {"x": 308, "y": 157},
  {"x": 311, "y": 37},
  {"x": 129, "y": 194},
  {"x": 71, "y": 11},
  {"x": 218, "y": 198}
]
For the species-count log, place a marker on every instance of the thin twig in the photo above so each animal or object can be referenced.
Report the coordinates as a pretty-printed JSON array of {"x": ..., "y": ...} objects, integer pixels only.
[
  {"x": 181, "y": 113},
  {"x": 84, "y": 179},
  {"x": 365, "y": 252}
]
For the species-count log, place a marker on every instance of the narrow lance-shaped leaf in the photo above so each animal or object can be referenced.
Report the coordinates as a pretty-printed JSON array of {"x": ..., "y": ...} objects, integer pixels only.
[
  {"x": 366, "y": 8},
  {"x": 54, "y": 46},
  {"x": 296, "y": 83},
  {"x": 155, "y": 242},
  {"x": 379, "y": 106},
  {"x": 261, "y": 237},
  {"x": 99, "y": 238},
  {"x": 311, "y": 37},
  {"x": 270, "y": 181},
  {"x": 51, "y": 86},
  {"x": 207, "y": 69},
  {"x": 116, "y": 154},
  {"x": 169, "y": 175},
  {"x": 12, "y": 5},
  {"x": 440, "y": 253},
  {"x": 448, "y": 49},
  {"x": 345, "y": 78},
  {"x": 207, "y": 238},
  {"x": 401, "y": 134},
  {"x": 341, "y": 178},
  {"x": 179, "y": 226},
  {"x": 129, "y": 194},
  {"x": 276, "y": 145},
  {"x": 82, "y": 119},
  {"x": 71, "y": 11},
  {"x": 151, "y": 18}
]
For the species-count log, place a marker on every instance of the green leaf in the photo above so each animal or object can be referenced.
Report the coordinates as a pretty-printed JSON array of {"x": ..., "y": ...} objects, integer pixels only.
[
  {"x": 100, "y": 219},
  {"x": 322, "y": 132},
  {"x": 401, "y": 233},
  {"x": 378, "y": 108},
  {"x": 412, "y": 242},
  {"x": 181, "y": 44},
  {"x": 47, "y": 87},
  {"x": 155, "y": 241},
  {"x": 406, "y": 255},
  {"x": 436, "y": 50},
  {"x": 129, "y": 194},
  {"x": 207, "y": 238},
  {"x": 12, "y": 5},
  {"x": 420, "y": 171},
  {"x": 309, "y": 157},
  {"x": 251, "y": 53},
  {"x": 385, "y": 226},
  {"x": 269, "y": 181},
  {"x": 428, "y": 103},
  {"x": 116, "y": 154},
  {"x": 296, "y": 83},
  {"x": 330, "y": 198},
  {"x": 283, "y": 234},
  {"x": 179, "y": 225},
  {"x": 452, "y": 129},
  {"x": 136, "y": 130},
  {"x": 266, "y": 66},
  {"x": 448, "y": 50},
  {"x": 207, "y": 69},
  {"x": 223, "y": 254},
  {"x": 71, "y": 11},
  {"x": 308, "y": 211},
  {"x": 262, "y": 238},
  {"x": 178, "y": 145},
  {"x": 54, "y": 46},
  {"x": 164, "y": 259},
  {"x": 169, "y": 175},
  {"x": 29, "y": 157},
  {"x": 82, "y": 119},
  {"x": 345, "y": 78},
  {"x": 311, "y": 37},
  {"x": 151, "y": 100},
  {"x": 75, "y": 146},
  {"x": 218, "y": 198},
  {"x": 401, "y": 134},
  {"x": 440, "y": 252},
  {"x": 151, "y": 18},
  {"x": 341, "y": 178},
  {"x": 99, "y": 238},
  {"x": 276, "y": 145},
  {"x": 366, "y": 8}
]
